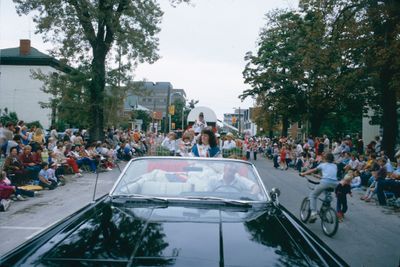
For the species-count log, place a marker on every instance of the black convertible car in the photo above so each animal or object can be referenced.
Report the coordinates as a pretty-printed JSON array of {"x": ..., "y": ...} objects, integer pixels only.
[{"x": 171, "y": 211}]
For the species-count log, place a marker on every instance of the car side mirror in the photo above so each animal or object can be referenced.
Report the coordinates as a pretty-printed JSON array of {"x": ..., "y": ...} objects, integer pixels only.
[{"x": 275, "y": 193}]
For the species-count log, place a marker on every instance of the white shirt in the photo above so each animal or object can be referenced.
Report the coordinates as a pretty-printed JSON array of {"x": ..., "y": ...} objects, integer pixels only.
[
  {"x": 353, "y": 164},
  {"x": 326, "y": 142},
  {"x": 203, "y": 150},
  {"x": 299, "y": 149},
  {"x": 54, "y": 134},
  {"x": 329, "y": 172},
  {"x": 198, "y": 126},
  {"x": 169, "y": 144},
  {"x": 229, "y": 144},
  {"x": 239, "y": 182},
  {"x": 356, "y": 182}
]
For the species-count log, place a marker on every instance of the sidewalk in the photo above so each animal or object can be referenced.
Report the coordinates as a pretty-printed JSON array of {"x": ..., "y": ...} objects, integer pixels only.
[{"x": 24, "y": 219}]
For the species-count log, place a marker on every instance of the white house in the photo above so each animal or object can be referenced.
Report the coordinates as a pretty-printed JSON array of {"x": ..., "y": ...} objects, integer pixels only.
[{"x": 19, "y": 92}]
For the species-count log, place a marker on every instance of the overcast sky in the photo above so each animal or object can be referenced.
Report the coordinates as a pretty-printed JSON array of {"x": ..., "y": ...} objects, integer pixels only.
[{"x": 202, "y": 46}]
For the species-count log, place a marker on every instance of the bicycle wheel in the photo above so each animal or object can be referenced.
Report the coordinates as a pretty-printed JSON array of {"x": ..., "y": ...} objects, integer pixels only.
[
  {"x": 329, "y": 221},
  {"x": 305, "y": 211}
]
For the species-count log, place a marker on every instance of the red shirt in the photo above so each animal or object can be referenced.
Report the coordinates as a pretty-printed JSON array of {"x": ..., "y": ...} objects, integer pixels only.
[
  {"x": 26, "y": 159},
  {"x": 37, "y": 158}
]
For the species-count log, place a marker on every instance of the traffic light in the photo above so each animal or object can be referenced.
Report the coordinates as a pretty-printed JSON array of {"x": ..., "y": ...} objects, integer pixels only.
[
  {"x": 233, "y": 120},
  {"x": 171, "y": 110}
]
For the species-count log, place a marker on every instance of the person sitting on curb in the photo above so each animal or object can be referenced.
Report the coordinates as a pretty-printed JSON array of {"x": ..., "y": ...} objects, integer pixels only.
[
  {"x": 371, "y": 190},
  {"x": 29, "y": 162},
  {"x": 7, "y": 189},
  {"x": 54, "y": 174},
  {"x": 44, "y": 179}
]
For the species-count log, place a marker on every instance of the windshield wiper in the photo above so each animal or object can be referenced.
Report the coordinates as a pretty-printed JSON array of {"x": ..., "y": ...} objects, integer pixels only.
[
  {"x": 140, "y": 197},
  {"x": 223, "y": 200}
]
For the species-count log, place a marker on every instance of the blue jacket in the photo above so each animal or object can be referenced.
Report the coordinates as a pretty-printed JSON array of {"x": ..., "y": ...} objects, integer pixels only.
[{"x": 212, "y": 151}]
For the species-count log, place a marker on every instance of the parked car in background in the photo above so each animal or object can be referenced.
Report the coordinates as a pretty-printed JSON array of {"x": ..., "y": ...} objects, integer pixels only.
[{"x": 175, "y": 211}]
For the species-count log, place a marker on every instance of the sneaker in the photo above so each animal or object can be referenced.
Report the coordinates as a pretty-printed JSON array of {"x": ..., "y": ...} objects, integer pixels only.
[
  {"x": 109, "y": 169},
  {"x": 313, "y": 217},
  {"x": 20, "y": 198},
  {"x": 4, "y": 204},
  {"x": 77, "y": 175}
]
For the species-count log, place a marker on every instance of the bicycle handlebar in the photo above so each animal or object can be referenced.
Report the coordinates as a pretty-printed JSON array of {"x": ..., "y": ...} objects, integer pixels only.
[{"x": 309, "y": 179}]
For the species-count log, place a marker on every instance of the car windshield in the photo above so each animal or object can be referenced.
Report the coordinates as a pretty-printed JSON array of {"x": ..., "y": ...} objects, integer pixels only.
[{"x": 191, "y": 179}]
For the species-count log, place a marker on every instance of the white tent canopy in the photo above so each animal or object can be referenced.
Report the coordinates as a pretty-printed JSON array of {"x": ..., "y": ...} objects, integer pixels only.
[{"x": 209, "y": 114}]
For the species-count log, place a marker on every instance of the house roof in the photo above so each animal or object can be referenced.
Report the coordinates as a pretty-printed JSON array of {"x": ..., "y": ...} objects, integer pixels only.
[
  {"x": 14, "y": 53},
  {"x": 11, "y": 56},
  {"x": 131, "y": 103},
  {"x": 154, "y": 86}
]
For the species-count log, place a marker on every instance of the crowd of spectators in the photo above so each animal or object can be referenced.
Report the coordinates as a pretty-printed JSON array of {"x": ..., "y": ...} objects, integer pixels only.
[
  {"x": 364, "y": 166},
  {"x": 32, "y": 160},
  {"x": 32, "y": 157}
]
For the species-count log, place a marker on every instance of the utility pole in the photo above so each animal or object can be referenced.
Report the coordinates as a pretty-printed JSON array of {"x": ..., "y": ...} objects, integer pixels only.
[
  {"x": 166, "y": 122},
  {"x": 183, "y": 116},
  {"x": 153, "y": 128},
  {"x": 239, "y": 122}
]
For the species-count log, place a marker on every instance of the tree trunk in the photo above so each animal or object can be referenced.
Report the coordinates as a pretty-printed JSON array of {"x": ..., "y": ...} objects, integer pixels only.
[
  {"x": 316, "y": 122},
  {"x": 271, "y": 133},
  {"x": 285, "y": 126},
  {"x": 385, "y": 36},
  {"x": 53, "y": 113},
  {"x": 96, "y": 93},
  {"x": 389, "y": 116}
]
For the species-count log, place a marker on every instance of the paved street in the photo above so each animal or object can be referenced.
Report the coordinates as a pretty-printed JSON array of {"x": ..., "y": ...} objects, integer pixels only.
[{"x": 369, "y": 236}]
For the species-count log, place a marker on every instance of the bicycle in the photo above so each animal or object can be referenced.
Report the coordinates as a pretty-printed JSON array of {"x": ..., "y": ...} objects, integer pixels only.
[{"x": 329, "y": 220}]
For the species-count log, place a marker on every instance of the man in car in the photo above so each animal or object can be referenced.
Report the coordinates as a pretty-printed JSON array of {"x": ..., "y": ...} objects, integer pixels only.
[{"x": 232, "y": 181}]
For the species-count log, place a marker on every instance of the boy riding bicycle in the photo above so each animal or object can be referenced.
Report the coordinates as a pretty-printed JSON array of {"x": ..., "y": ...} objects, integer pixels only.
[{"x": 328, "y": 181}]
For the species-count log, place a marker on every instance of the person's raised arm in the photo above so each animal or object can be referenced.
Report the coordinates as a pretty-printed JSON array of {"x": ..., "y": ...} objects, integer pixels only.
[{"x": 308, "y": 172}]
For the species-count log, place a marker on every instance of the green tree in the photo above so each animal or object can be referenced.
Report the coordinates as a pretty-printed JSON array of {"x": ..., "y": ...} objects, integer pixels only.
[
  {"x": 275, "y": 73},
  {"x": 6, "y": 116},
  {"x": 97, "y": 31},
  {"x": 142, "y": 115},
  {"x": 303, "y": 69},
  {"x": 69, "y": 100},
  {"x": 192, "y": 103},
  {"x": 373, "y": 48}
]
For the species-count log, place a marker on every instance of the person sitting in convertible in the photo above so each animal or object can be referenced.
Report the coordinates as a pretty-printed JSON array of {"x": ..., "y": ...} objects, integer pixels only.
[{"x": 232, "y": 181}]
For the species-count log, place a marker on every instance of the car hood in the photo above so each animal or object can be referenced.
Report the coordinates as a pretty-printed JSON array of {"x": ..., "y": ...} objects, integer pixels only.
[{"x": 177, "y": 235}]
